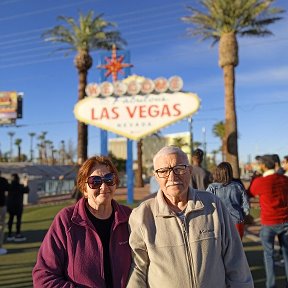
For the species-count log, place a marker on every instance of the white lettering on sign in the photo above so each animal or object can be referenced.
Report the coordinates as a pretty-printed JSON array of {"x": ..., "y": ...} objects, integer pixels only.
[{"x": 137, "y": 116}]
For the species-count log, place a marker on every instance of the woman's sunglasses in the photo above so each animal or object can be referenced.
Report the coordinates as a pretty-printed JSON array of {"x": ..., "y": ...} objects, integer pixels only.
[{"x": 94, "y": 182}]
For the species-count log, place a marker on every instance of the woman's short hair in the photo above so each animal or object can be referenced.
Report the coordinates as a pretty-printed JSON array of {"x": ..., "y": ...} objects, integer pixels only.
[
  {"x": 87, "y": 167},
  {"x": 223, "y": 173}
]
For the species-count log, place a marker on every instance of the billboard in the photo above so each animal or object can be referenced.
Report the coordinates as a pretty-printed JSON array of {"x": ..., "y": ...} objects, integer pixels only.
[{"x": 10, "y": 106}]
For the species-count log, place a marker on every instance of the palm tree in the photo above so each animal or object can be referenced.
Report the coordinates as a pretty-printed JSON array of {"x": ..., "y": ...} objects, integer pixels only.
[
  {"x": 214, "y": 153},
  {"x": 86, "y": 35},
  {"x": 11, "y": 135},
  {"x": 48, "y": 148},
  {"x": 196, "y": 144},
  {"x": 223, "y": 21},
  {"x": 18, "y": 142},
  {"x": 41, "y": 146},
  {"x": 62, "y": 152},
  {"x": 180, "y": 142},
  {"x": 32, "y": 135},
  {"x": 219, "y": 131},
  {"x": 139, "y": 179}
]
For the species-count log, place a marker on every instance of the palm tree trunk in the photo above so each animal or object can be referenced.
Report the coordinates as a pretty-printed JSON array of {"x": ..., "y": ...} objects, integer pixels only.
[
  {"x": 82, "y": 128},
  {"x": 223, "y": 150},
  {"x": 231, "y": 138},
  {"x": 83, "y": 62},
  {"x": 19, "y": 153}
]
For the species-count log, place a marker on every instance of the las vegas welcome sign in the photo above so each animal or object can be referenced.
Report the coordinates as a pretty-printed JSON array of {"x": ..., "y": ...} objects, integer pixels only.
[{"x": 142, "y": 109}]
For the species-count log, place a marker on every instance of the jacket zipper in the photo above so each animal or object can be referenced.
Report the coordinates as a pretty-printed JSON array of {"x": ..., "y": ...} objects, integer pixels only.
[{"x": 189, "y": 254}]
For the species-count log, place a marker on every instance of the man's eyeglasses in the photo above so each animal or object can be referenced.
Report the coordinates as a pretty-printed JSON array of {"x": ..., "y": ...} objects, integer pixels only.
[
  {"x": 94, "y": 182},
  {"x": 177, "y": 170}
]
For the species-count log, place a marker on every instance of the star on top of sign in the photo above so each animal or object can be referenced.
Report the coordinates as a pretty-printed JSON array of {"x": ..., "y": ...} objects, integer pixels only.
[{"x": 114, "y": 65}]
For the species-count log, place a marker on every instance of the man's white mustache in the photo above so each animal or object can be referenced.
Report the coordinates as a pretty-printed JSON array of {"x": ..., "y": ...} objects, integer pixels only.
[{"x": 173, "y": 183}]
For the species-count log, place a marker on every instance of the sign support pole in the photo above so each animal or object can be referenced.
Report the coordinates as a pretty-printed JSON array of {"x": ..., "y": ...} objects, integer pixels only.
[
  {"x": 104, "y": 136},
  {"x": 104, "y": 142},
  {"x": 129, "y": 162},
  {"x": 129, "y": 171},
  {"x": 103, "y": 133}
]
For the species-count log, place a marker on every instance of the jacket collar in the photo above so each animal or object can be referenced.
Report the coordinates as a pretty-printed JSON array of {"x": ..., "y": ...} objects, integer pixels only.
[
  {"x": 79, "y": 215},
  {"x": 269, "y": 172},
  {"x": 194, "y": 204}
]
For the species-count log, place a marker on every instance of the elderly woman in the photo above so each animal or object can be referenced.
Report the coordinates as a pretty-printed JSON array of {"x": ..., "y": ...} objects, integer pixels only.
[
  {"x": 87, "y": 243},
  {"x": 232, "y": 193}
]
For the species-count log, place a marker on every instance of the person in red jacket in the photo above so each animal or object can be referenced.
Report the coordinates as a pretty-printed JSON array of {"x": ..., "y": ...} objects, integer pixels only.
[
  {"x": 272, "y": 189},
  {"x": 87, "y": 243}
]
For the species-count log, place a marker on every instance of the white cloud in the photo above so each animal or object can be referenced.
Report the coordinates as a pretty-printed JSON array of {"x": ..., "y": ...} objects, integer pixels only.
[{"x": 271, "y": 75}]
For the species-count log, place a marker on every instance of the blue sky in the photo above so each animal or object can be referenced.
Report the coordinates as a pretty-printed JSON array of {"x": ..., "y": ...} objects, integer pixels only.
[{"x": 158, "y": 46}]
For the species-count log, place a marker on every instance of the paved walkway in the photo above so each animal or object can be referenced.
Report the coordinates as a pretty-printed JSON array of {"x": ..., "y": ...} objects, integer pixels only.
[
  {"x": 139, "y": 193},
  {"x": 252, "y": 231}
]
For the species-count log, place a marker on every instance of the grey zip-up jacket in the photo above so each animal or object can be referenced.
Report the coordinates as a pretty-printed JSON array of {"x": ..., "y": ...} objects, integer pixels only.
[{"x": 202, "y": 251}]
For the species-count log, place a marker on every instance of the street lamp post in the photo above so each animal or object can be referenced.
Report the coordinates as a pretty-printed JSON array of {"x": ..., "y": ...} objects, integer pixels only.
[
  {"x": 191, "y": 137},
  {"x": 204, "y": 147}
]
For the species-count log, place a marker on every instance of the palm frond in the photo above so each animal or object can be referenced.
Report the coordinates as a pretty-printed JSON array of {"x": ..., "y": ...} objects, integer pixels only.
[
  {"x": 88, "y": 33},
  {"x": 243, "y": 17}
]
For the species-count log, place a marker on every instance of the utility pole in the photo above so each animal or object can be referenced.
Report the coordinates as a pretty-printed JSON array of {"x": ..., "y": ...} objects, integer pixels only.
[
  {"x": 191, "y": 137},
  {"x": 204, "y": 147}
]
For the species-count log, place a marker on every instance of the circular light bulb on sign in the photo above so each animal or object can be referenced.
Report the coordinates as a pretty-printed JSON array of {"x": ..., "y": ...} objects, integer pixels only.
[
  {"x": 92, "y": 90},
  {"x": 120, "y": 88},
  {"x": 106, "y": 89},
  {"x": 161, "y": 84},
  {"x": 175, "y": 83},
  {"x": 133, "y": 87},
  {"x": 147, "y": 86}
]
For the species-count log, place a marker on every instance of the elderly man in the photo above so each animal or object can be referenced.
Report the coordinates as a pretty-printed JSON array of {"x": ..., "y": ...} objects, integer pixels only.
[{"x": 183, "y": 237}]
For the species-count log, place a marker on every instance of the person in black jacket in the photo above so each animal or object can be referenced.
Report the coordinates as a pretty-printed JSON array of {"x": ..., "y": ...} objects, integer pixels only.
[
  {"x": 3, "y": 189},
  {"x": 15, "y": 207}
]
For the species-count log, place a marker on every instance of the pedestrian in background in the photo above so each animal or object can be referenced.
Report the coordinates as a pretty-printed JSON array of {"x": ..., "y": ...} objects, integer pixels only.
[
  {"x": 201, "y": 177},
  {"x": 272, "y": 189},
  {"x": 278, "y": 168},
  {"x": 4, "y": 185},
  {"x": 15, "y": 205},
  {"x": 232, "y": 194},
  {"x": 285, "y": 165}
]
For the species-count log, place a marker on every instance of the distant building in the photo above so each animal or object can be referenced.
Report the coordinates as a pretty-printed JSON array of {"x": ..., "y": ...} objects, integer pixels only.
[
  {"x": 43, "y": 180},
  {"x": 151, "y": 145}
]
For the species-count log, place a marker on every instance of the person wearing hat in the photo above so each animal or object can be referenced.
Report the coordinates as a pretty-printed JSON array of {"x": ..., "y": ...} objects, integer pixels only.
[
  {"x": 201, "y": 177},
  {"x": 272, "y": 190}
]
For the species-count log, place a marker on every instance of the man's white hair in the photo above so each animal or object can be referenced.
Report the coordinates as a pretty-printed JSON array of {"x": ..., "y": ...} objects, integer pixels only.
[{"x": 170, "y": 150}]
